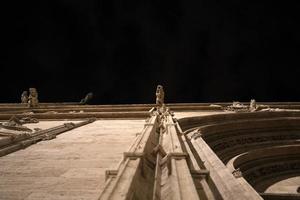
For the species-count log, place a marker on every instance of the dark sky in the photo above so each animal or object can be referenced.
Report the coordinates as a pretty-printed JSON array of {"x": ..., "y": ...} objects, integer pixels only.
[{"x": 120, "y": 50}]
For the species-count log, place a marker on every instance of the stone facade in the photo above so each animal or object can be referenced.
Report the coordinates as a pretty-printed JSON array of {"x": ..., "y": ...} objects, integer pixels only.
[{"x": 152, "y": 151}]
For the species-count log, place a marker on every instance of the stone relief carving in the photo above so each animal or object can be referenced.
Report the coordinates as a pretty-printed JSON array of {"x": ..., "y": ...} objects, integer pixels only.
[{"x": 33, "y": 98}]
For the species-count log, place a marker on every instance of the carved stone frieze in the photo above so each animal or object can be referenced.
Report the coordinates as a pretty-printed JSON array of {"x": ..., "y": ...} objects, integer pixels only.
[
  {"x": 272, "y": 169},
  {"x": 251, "y": 140}
]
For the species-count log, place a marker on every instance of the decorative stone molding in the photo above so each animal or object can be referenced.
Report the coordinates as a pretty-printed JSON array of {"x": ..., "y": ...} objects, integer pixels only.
[
  {"x": 245, "y": 140},
  {"x": 202, "y": 173},
  {"x": 166, "y": 160},
  {"x": 132, "y": 155},
  {"x": 272, "y": 168},
  {"x": 28, "y": 139},
  {"x": 197, "y": 134},
  {"x": 110, "y": 173},
  {"x": 158, "y": 160},
  {"x": 148, "y": 124},
  {"x": 159, "y": 149},
  {"x": 16, "y": 124}
]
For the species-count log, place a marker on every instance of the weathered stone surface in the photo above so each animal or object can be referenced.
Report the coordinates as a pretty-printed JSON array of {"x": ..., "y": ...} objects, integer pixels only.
[{"x": 72, "y": 166}]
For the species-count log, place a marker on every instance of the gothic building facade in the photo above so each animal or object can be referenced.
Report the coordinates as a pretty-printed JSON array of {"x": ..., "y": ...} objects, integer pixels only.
[{"x": 149, "y": 151}]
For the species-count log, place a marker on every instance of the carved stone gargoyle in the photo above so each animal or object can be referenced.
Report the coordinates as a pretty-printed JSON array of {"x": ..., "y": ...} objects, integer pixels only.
[
  {"x": 24, "y": 97},
  {"x": 237, "y": 173},
  {"x": 33, "y": 100},
  {"x": 86, "y": 99},
  {"x": 160, "y": 96},
  {"x": 253, "y": 107},
  {"x": 160, "y": 99}
]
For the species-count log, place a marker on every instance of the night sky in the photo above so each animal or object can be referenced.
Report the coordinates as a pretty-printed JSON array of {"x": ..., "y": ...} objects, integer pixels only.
[{"x": 200, "y": 51}]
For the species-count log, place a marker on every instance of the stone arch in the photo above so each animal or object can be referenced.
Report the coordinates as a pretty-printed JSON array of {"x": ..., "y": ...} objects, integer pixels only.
[{"x": 263, "y": 146}]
